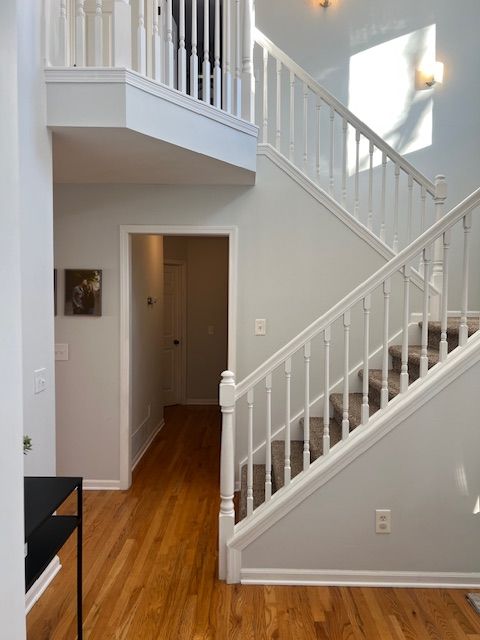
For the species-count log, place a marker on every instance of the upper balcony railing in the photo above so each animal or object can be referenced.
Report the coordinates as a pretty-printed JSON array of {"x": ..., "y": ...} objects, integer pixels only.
[{"x": 202, "y": 49}]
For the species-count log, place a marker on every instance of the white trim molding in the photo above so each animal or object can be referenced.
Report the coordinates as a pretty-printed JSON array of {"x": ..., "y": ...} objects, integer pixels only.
[
  {"x": 320, "y": 577},
  {"x": 101, "y": 485},
  {"x": 37, "y": 589},
  {"x": 126, "y": 231},
  {"x": 147, "y": 444}
]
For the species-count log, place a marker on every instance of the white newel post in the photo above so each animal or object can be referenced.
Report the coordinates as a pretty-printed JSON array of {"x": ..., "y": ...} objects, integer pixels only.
[
  {"x": 248, "y": 77},
  {"x": 437, "y": 264},
  {"x": 122, "y": 34},
  {"x": 227, "y": 473}
]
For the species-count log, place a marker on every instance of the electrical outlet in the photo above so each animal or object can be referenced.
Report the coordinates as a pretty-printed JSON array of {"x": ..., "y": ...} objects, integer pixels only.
[
  {"x": 383, "y": 521},
  {"x": 260, "y": 327}
]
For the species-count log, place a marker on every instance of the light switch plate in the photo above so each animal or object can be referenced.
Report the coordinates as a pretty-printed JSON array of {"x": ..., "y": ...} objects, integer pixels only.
[
  {"x": 40, "y": 380},
  {"x": 260, "y": 327}
]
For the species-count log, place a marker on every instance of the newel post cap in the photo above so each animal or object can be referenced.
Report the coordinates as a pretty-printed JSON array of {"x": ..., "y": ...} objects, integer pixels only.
[
  {"x": 227, "y": 389},
  {"x": 440, "y": 187}
]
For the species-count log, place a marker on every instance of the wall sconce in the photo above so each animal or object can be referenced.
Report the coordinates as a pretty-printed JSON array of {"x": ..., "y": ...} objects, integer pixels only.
[
  {"x": 432, "y": 73},
  {"x": 325, "y": 3}
]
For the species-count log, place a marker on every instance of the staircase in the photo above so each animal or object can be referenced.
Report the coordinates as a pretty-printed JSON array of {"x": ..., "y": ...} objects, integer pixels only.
[{"x": 355, "y": 404}]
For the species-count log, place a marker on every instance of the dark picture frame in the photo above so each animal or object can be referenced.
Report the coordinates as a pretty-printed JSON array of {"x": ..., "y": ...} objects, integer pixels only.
[{"x": 83, "y": 292}]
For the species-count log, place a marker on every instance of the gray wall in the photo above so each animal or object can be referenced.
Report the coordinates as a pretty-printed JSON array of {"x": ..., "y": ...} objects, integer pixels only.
[
  {"x": 146, "y": 332},
  {"x": 206, "y": 262},
  {"x": 425, "y": 470},
  {"x": 323, "y": 40},
  {"x": 288, "y": 245}
]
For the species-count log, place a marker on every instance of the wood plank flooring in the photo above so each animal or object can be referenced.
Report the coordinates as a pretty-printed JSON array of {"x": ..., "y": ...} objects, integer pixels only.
[{"x": 151, "y": 562}]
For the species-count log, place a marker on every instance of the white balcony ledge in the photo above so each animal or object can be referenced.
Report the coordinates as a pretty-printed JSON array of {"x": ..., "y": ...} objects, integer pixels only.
[{"x": 114, "y": 125}]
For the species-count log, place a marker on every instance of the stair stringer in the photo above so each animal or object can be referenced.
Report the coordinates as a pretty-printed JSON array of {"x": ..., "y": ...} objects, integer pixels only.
[{"x": 361, "y": 440}]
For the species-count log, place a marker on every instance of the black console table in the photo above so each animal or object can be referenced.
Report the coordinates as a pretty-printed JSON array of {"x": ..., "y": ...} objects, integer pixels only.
[{"x": 46, "y": 533}]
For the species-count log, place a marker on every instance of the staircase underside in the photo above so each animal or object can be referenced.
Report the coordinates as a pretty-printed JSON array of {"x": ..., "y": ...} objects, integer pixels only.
[
  {"x": 355, "y": 402},
  {"x": 115, "y": 126}
]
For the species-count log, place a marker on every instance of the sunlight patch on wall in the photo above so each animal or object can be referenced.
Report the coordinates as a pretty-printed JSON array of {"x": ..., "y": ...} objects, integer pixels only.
[{"x": 382, "y": 93}]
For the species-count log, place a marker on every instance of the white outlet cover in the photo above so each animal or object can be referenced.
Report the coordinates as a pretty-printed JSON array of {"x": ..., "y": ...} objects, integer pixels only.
[
  {"x": 260, "y": 327},
  {"x": 383, "y": 521},
  {"x": 61, "y": 351},
  {"x": 40, "y": 380}
]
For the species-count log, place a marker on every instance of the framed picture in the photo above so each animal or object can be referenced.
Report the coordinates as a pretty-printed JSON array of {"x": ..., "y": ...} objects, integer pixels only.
[{"x": 83, "y": 292}]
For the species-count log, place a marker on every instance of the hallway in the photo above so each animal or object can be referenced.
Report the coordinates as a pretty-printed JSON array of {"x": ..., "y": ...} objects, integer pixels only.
[{"x": 150, "y": 564}]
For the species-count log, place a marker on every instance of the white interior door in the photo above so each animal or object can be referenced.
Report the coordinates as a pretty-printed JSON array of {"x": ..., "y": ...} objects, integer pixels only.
[{"x": 173, "y": 341}]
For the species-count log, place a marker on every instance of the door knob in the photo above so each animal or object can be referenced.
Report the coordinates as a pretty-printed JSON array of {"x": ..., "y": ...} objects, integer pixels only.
[{"x": 176, "y": 342}]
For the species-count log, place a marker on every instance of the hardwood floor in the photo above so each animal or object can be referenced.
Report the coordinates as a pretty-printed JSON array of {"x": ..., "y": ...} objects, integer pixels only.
[{"x": 150, "y": 568}]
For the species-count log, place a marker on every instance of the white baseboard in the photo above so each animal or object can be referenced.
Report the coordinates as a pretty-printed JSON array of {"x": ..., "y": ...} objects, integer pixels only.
[
  {"x": 202, "y": 401},
  {"x": 147, "y": 444},
  {"x": 313, "y": 577},
  {"x": 36, "y": 590},
  {"x": 101, "y": 485}
]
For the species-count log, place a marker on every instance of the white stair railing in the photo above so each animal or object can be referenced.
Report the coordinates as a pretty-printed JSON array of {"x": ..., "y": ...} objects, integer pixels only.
[
  {"x": 151, "y": 38},
  {"x": 339, "y": 152},
  {"x": 293, "y": 361}
]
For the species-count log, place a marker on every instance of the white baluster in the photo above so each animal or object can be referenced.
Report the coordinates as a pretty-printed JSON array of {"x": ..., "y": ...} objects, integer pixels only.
[
  {"x": 406, "y": 320},
  {"x": 437, "y": 266},
  {"x": 331, "y": 186},
  {"x": 423, "y": 219},
  {"x": 292, "y": 117},
  {"x": 383, "y": 200},
  {"x": 217, "y": 71},
  {"x": 305, "y": 127},
  {"x": 62, "y": 35},
  {"x": 326, "y": 393},
  {"x": 370, "y": 187},
  {"x": 227, "y": 56},
  {"x": 426, "y": 292},
  {"x": 344, "y": 163},
  {"x": 122, "y": 34},
  {"x": 356, "y": 207},
  {"x": 182, "y": 52},
  {"x": 386, "y": 318},
  {"x": 318, "y": 108},
  {"x": 169, "y": 53},
  {"x": 265, "y": 96},
  {"x": 80, "y": 34},
  {"x": 248, "y": 78},
  {"x": 463, "y": 329},
  {"x": 238, "y": 60},
  {"x": 346, "y": 375},
  {"x": 250, "y": 398},
  {"x": 226, "y": 518},
  {"x": 288, "y": 376},
  {"x": 206, "y": 67},
  {"x": 268, "y": 440},
  {"x": 278, "y": 132},
  {"x": 98, "y": 33},
  {"x": 410, "y": 210},
  {"x": 306, "y": 411},
  {"x": 156, "y": 44},
  {"x": 141, "y": 59},
  {"x": 365, "y": 411},
  {"x": 194, "y": 54},
  {"x": 395, "y": 211},
  {"x": 443, "y": 348}
]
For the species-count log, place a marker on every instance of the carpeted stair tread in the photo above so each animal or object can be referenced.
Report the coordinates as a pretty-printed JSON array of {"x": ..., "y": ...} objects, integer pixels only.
[
  {"x": 414, "y": 354},
  {"x": 355, "y": 408},
  {"x": 453, "y": 329},
  {"x": 278, "y": 461},
  {"x": 258, "y": 488},
  {"x": 316, "y": 436},
  {"x": 375, "y": 383}
]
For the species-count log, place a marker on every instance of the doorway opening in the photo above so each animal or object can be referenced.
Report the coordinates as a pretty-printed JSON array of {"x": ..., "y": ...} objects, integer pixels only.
[{"x": 178, "y": 291}]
